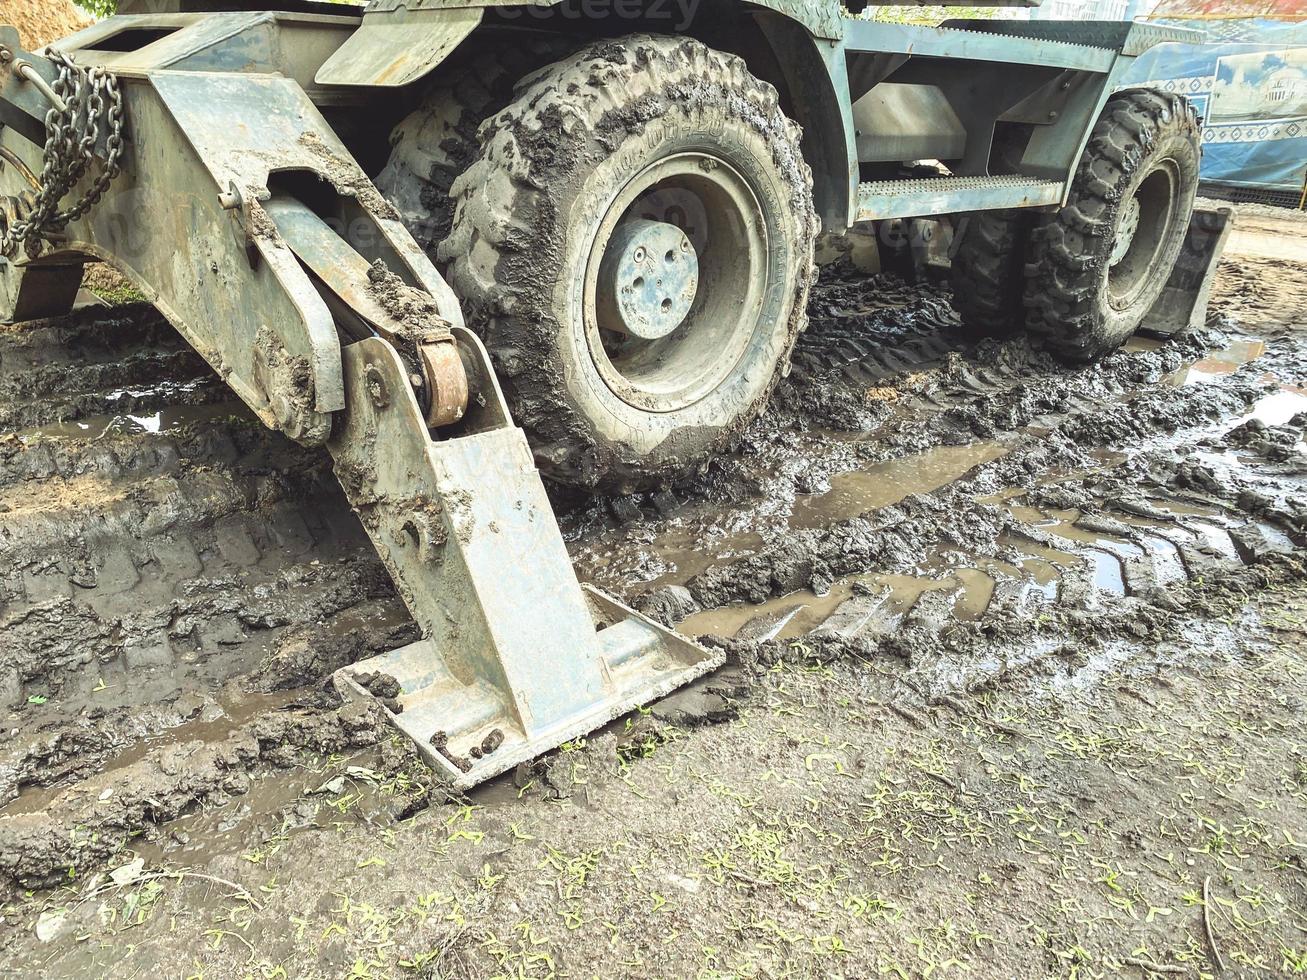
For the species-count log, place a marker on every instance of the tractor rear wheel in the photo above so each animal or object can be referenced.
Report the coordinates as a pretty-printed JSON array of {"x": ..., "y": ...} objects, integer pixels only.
[
  {"x": 1098, "y": 265},
  {"x": 634, "y": 243}
]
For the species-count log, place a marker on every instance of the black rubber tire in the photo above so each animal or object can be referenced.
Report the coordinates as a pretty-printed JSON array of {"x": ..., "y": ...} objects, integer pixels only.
[
  {"x": 436, "y": 142},
  {"x": 988, "y": 273},
  {"x": 1146, "y": 144},
  {"x": 529, "y": 209}
]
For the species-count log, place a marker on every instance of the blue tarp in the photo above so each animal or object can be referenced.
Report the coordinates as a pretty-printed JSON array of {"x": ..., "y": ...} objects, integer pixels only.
[{"x": 1249, "y": 85}]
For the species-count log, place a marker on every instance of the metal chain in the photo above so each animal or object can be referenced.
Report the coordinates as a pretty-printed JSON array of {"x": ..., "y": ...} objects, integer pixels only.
[{"x": 91, "y": 96}]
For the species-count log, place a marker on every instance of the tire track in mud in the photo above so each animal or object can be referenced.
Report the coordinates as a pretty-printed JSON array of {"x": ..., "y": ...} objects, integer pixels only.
[
  {"x": 994, "y": 489},
  {"x": 177, "y": 582},
  {"x": 160, "y": 547}
]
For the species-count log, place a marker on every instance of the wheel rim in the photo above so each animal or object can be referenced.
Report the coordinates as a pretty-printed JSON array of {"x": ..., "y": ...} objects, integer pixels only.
[
  {"x": 1141, "y": 234},
  {"x": 663, "y": 333}
]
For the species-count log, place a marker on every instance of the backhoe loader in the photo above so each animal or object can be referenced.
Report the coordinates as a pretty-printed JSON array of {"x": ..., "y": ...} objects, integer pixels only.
[{"x": 462, "y": 244}]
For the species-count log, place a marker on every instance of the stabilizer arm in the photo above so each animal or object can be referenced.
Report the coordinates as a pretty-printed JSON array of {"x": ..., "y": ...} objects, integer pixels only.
[
  {"x": 246, "y": 221},
  {"x": 516, "y": 657}
]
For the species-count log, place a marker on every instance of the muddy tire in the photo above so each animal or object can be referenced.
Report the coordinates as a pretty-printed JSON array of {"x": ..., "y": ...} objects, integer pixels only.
[
  {"x": 636, "y": 151},
  {"x": 1098, "y": 266},
  {"x": 988, "y": 273},
  {"x": 436, "y": 142}
]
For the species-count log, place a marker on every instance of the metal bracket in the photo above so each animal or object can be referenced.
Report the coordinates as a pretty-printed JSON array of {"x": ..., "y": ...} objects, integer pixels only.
[
  {"x": 516, "y": 657},
  {"x": 25, "y": 80},
  {"x": 398, "y": 44}
]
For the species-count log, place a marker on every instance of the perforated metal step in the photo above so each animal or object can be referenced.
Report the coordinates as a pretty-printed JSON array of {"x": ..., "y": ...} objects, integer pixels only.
[
  {"x": 975, "y": 45},
  {"x": 879, "y": 199}
]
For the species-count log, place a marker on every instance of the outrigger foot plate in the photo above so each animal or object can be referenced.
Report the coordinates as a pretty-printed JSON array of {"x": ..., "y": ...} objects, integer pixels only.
[{"x": 516, "y": 657}]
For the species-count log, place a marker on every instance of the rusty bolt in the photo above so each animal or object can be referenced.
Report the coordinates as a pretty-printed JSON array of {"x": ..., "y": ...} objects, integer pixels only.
[{"x": 281, "y": 407}]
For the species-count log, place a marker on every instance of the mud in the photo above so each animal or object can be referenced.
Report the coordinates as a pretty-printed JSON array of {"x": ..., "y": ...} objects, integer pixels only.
[
  {"x": 159, "y": 543},
  {"x": 346, "y": 177},
  {"x": 1015, "y": 676}
]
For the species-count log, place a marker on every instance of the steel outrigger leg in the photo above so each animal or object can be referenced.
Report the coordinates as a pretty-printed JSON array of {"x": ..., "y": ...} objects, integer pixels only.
[
  {"x": 295, "y": 279},
  {"x": 516, "y": 657}
]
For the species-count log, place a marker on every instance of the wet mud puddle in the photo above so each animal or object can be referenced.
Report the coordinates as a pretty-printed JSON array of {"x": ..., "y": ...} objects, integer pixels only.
[
  {"x": 1044, "y": 550},
  {"x": 884, "y": 484},
  {"x": 1273, "y": 409},
  {"x": 213, "y": 722},
  {"x": 138, "y": 422}
]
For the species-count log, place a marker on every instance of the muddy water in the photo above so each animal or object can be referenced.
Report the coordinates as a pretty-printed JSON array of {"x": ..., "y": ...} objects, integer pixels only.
[
  {"x": 885, "y": 484},
  {"x": 151, "y": 423},
  {"x": 1274, "y": 409},
  {"x": 676, "y": 552},
  {"x": 341, "y": 792},
  {"x": 798, "y": 613},
  {"x": 1218, "y": 364},
  {"x": 215, "y": 721},
  {"x": 792, "y": 616},
  {"x": 851, "y": 494},
  {"x": 1040, "y": 568},
  {"x": 671, "y": 557},
  {"x": 1278, "y": 408}
]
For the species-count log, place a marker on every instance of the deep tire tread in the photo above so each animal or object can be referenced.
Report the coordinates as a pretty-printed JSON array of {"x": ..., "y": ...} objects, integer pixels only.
[
  {"x": 436, "y": 142},
  {"x": 987, "y": 273},
  {"x": 1069, "y": 250}
]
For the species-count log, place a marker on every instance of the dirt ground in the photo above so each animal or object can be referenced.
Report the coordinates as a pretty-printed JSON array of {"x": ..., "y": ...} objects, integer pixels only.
[{"x": 1015, "y": 687}]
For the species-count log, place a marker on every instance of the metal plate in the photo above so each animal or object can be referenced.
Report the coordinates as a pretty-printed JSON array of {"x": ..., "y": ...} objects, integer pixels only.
[{"x": 398, "y": 47}]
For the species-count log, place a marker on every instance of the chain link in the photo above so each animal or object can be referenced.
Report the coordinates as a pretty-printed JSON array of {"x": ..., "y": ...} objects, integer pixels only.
[{"x": 91, "y": 96}]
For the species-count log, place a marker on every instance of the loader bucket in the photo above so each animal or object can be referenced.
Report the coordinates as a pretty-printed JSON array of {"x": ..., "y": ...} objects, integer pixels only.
[{"x": 1183, "y": 303}]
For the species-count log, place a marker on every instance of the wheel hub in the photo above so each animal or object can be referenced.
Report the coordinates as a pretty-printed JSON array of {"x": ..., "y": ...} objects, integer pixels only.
[
  {"x": 648, "y": 279},
  {"x": 1125, "y": 236},
  {"x": 665, "y": 358}
]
